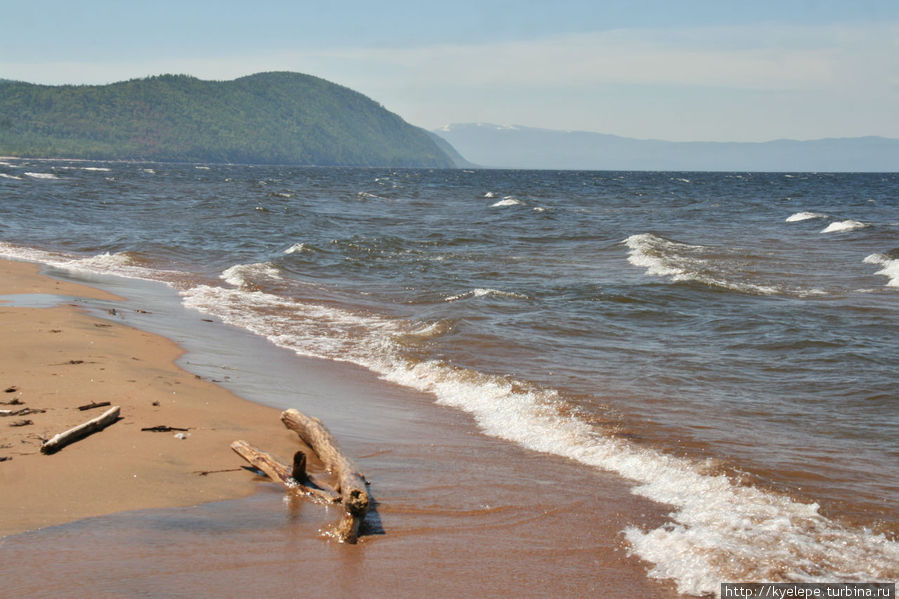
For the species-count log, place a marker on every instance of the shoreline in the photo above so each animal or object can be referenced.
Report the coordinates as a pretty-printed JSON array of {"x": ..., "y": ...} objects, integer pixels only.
[
  {"x": 61, "y": 358},
  {"x": 456, "y": 512}
]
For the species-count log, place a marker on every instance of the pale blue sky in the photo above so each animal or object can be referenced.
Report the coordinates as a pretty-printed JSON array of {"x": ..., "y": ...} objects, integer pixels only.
[{"x": 678, "y": 70}]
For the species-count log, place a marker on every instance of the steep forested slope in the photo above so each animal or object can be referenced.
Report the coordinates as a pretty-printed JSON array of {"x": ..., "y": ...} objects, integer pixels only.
[{"x": 268, "y": 118}]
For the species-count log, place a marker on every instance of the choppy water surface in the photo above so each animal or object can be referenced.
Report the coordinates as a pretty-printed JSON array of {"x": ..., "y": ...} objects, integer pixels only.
[{"x": 726, "y": 340}]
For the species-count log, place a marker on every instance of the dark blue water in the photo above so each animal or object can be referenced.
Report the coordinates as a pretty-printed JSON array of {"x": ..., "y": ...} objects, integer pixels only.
[{"x": 728, "y": 341}]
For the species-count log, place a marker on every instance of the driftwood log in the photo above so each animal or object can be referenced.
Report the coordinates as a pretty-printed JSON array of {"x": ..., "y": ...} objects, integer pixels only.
[
  {"x": 350, "y": 483},
  {"x": 350, "y": 488},
  {"x": 81, "y": 431}
]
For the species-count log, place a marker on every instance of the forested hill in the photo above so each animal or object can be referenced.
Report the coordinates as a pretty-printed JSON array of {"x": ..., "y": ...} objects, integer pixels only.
[{"x": 268, "y": 118}]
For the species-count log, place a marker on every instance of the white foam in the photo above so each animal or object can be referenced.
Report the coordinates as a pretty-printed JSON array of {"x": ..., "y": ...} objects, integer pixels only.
[
  {"x": 481, "y": 292},
  {"x": 890, "y": 268},
  {"x": 99, "y": 169},
  {"x": 718, "y": 529},
  {"x": 843, "y": 225},
  {"x": 241, "y": 275},
  {"x": 507, "y": 201},
  {"x": 5, "y": 176},
  {"x": 364, "y": 195},
  {"x": 122, "y": 263},
  {"x": 149, "y": 171},
  {"x": 297, "y": 248},
  {"x": 684, "y": 262},
  {"x": 800, "y": 216},
  {"x": 490, "y": 194},
  {"x": 41, "y": 175}
]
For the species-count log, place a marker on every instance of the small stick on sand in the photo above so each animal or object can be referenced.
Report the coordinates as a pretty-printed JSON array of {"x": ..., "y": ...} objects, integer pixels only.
[
  {"x": 93, "y": 405},
  {"x": 163, "y": 429},
  {"x": 94, "y": 425}
]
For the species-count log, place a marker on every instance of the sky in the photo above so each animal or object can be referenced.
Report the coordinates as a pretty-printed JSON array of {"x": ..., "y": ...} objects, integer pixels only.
[{"x": 680, "y": 70}]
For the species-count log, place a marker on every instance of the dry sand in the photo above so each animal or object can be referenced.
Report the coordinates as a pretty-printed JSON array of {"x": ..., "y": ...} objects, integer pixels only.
[{"x": 56, "y": 359}]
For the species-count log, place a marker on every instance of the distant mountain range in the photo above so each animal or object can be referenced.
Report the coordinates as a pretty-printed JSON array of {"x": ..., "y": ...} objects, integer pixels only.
[
  {"x": 267, "y": 118},
  {"x": 496, "y": 146}
]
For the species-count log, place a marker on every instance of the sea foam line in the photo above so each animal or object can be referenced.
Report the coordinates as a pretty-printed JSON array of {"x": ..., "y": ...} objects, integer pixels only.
[
  {"x": 122, "y": 264},
  {"x": 719, "y": 530}
]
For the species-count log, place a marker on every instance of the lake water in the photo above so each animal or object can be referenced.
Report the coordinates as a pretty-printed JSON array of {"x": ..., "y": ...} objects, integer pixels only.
[{"x": 726, "y": 341}]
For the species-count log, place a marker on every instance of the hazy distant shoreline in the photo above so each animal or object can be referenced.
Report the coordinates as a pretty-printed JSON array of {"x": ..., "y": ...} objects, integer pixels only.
[{"x": 498, "y": 146}]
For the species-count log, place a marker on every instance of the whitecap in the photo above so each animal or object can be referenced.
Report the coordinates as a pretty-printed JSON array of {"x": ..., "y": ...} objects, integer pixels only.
[
  {"x": 5, "y": 176},
  {"x": 684, "y": 262},
  {"x": 41, "y": 175},
  {"x": 489, "y": 194},
  {"x": 297, "y": 248},
  {"x": 843, "y": 226},
  {"x": 369, "y": 196},
  {"x": 481, "y": 292},
  {"x": 800, "y": 216},
  {"x": 507, "y": 201},
  {"x": 99, "y": 169},
  {"x": 890, "y": 268},
  {"x": 245, "y": 275}
]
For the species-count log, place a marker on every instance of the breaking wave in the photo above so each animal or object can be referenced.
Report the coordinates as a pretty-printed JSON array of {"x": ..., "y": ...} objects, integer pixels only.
[
  {"x": 800, "y": 216},
  {"x": 125, "y": 264},
  {"x": 507, "y": 201},
  {"x": 248, "y": 275},
  {"x": 684, "y": 262},
  {"x": 890, "y": 267},
  {"x": 480, "y": 292},
  {"x": 843, "y": 226}
]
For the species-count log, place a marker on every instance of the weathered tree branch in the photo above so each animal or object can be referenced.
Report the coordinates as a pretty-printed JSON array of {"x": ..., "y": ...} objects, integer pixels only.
[{"x": 94, "y": 425}]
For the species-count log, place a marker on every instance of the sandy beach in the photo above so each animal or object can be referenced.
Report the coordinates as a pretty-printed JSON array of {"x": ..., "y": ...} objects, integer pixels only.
[
  {"x": 56, "y": 359},
  {"x": 456, "y": 513}
]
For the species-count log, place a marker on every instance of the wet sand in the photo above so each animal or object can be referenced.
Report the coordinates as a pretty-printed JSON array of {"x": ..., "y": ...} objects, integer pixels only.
[{"x": 456, "y": 512}]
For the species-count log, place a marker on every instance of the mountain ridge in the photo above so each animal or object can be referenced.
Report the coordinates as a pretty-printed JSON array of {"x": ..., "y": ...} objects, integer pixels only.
[
  {"x": 276, "y": 117},
  {"x": 517, "y": 146}
]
